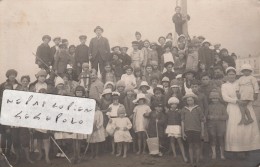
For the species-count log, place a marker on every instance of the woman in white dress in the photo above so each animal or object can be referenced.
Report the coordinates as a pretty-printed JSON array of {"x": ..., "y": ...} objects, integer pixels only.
[{"x": 239, "y": 138}]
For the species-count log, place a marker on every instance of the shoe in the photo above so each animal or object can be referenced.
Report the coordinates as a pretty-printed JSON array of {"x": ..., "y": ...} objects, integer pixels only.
[
  {"x": 58, "y": 155},
  {"x": 62, "y": 155}
]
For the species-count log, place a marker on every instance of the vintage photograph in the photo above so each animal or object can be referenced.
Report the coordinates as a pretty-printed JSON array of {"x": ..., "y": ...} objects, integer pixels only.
[{"x": 143, "y": 83}]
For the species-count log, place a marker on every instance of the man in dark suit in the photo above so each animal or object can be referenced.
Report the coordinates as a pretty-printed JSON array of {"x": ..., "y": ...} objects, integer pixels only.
[
  {"x": 99, "y": 50},
  {"x": 55, "y": 48}
]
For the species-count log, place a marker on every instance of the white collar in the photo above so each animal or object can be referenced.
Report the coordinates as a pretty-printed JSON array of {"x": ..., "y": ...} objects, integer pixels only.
[{"x": 191, "y": 108}]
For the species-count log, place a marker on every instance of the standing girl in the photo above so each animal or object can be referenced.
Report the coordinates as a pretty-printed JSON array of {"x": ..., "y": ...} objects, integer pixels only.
[
  {"x": 174, "y": 126},
  {"x": 140, "y": 122},
  {"x": 108, "y": 74},
  {"x": 122, "y": 135},
  {"x": 192, "y": 119}
]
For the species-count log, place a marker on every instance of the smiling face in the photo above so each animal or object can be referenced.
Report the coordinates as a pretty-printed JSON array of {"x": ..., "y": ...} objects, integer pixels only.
[
  {"x": 190, "y": 101},
  {"x": 41, "y": 78},
  {"x": 24, "y": 82},
  {"x": 11, "y": 77}
]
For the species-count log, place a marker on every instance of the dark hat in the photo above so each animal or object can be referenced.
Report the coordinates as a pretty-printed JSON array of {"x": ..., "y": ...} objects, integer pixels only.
[
  {"x": 160, "y": 88},
  {"x": 135, "y": 43},
  {"x": 64, "y": 40},
  {"x": 113, "y": 48},
  {"x": 157, "y": 104},
  {"x": 189, "y": 72},
  {"x": 56, "y": 38},
  {"x": 168, "y": 63},
  {"x": 223, "y": 50},
  {"x": 124, "y": 47},
  {"x": 11, "y": 72},
  {"x": 137, "y": 33},
  {"x": 46, "y": 36},
  {"x": 154, "y": 77},
  {"x": 82, "y": 37},
  {"x": 62, "y": 45},
  {"x": 201, "y": 37},
  {"x": 161, "y": 37},
  {"x": 100, "y": 28},
  {"x": 153, "y": 44}
]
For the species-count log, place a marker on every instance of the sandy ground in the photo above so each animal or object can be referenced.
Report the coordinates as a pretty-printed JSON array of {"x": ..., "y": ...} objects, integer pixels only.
[{"x": 107, "y": 160}]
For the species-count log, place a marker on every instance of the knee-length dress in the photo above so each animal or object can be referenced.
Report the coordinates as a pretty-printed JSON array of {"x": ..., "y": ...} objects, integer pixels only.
[
  {"x": 122, "y": 135},
  {"x": 239, "y": 137},
  {"x": 140, "y": 122}
]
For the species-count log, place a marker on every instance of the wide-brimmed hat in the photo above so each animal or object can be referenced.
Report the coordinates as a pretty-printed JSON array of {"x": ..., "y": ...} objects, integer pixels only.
[
  {"x": 115, "y": 95},
  {"x": 41, "y": 73},
  {"x": 160, "y": 38},
  {"x": 144, "y": 83},
  {"x": 98, "y": 28},
  {"x": 178, "y": 76},
  {"x": 120, "y": 83},
  {"x": 109, "y": 83},
  {"x": 139, "y": 97},
  {"x": 189, "y": 71},
  {"x": 246, "y": 67},
  {"x": 175, "y": 84},
  {"x": 168, "y": 63},
  {"x": 206, "y": 41},
  {"x": 181, "y": 36},
  {"x": 82, "y": 37},
  {"x": 173, "y": 100},
  {"x": 58, "y": 81},
  {"x": 230, "y": 68},
  {"x": 113, "y": 48},
  {"x": 106, "y": 91},
  {"x": 190, "y": 94},
  {"x": 153, "y": 63},
  {"x": 214, "y": 95},
  {"x": 46, "y": 36},
  {"x": 160, "y": 88},
  {"x": 11, "y": 72}
]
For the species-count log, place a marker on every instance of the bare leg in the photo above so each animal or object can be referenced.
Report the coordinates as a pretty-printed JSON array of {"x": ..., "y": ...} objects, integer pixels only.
[
  {"x": 182, "y": 149},
  {"x": 197, "y": 150},
  {"x": 119, "y": 145},
  {"x": 27, "y": 155},
  {"x": 173, "y": 147},
  {"x": 139, "y": 142},
  {"x": 113, "y": 146},
  {"x": 39, "y": 146},
  {"x": 125, "y": 149},
  {"x": 248, "y": 115},
  {"x": 144, "y": 142},
  {"x": 46, "y": 145},
  {"x": 97, "y": 149},
  {"x": 222, "y": 145},
  {"x": 243, "y": 114}
]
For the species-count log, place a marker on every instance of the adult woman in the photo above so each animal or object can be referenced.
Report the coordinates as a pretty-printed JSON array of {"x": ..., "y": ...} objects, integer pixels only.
[{"x": 239, "y": 138}]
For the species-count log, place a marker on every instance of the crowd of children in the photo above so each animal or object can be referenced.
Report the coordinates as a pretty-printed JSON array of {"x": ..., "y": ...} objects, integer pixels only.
[{"x": 170, "y": 90}]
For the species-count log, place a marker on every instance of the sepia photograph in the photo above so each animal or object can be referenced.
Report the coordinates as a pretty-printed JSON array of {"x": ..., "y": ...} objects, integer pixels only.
[{"x": 143, "y": 83}]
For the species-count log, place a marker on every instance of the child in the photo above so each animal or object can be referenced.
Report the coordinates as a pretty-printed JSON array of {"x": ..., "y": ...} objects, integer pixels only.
[
  {"x": 188, "y": 75},
  {"x": 112, "y": 115},
  {"x": 192, "y": 58},
  {"x": 247, "y": 92},
  {"x": 192, "y": 119},
  {"x": 157, "y": 121},
  {"x": 167, "y": 56},
  {"x": 178, "y": 20},
  {"x": 146, "y": 53},
  {"x": 129, "y": 78},
  {"x": 44, "y": 58},
  {"x": 201, "y": 69},
  {"x": 166, "y": 84},
  {"x": 136, "y": 55},
  {"x": 154, "y": 83},
  {"x": 126, "y": 59},
  {"x": 174, "y": 126},
  {"x": 156, "y": 70},
  {"x": 71, "y": 73},
  {"x": 108, "y": 74},
  {"x": 180, "y": 63},
  {"x": 153, "y": 53},
  {"x": 206, "y": 55},
  {"x": 117, "y": 66},
  {"x": 217, "y": 123},
  {"x": 122, "y": 135},
  {"x": 140, "y": 122},
  {"x": 143, "y": 89},
  {"x": 148, "y": 73},
  {"x": 120, "y": 87},
  {"x": 175, "y": 91},
  {"x": 158, "y": 96},
  {"x": 98, "y": 134},
  {"x": 169, "y": 73},
  {"x": 110, "y": 85},
  {"x": 62, "y": 60},
  {"x": 138, "y": 77}
]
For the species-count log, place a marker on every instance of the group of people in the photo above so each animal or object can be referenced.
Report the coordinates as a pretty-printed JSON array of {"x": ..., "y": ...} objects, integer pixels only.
[{"x": 185, "y": 91}]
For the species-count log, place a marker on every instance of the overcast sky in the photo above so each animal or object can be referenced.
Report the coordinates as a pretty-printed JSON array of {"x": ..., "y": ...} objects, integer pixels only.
[{"x": 233, "y": 23}]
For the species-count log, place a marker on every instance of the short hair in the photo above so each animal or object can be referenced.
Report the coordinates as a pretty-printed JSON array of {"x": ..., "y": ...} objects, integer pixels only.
[
  {"x": 195, "y": 82},
  {"x": 205, "y": 74},
  {"x": 26, "y": 77}
]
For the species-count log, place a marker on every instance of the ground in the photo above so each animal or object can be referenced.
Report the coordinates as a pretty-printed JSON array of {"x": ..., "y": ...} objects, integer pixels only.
[{"x": 106, "y": 160}]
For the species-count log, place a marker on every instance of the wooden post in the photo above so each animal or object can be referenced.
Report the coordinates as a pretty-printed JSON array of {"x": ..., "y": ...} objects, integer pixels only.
[{"x": 184, "y": 14}]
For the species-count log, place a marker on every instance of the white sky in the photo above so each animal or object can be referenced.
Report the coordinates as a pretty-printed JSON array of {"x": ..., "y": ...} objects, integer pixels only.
[{"x": 233, "y": 23}]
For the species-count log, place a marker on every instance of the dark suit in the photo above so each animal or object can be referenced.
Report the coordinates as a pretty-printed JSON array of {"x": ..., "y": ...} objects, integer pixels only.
[
  {"x": 100, "y": 51},
  {"x": 53, "y": 52}
]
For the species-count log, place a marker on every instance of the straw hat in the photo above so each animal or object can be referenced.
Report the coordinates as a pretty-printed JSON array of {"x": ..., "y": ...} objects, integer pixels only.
[
  {"x": 246, "y": 67},
  {"x": 58, "y": 81},
  {"x": 139, "y": 97},
  {"x": 190, "y": 94},
  {"x": 173, "y": 100},
  {"x": 144, "y": 83},
  {"x": 106, "y": 91}
]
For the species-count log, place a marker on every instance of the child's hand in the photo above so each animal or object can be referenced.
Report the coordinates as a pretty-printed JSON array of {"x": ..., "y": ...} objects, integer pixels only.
[
  {"x": 184, "y": 136},
  {"x": 255, "y": 96},
  {"x": 125, "y": 129}
]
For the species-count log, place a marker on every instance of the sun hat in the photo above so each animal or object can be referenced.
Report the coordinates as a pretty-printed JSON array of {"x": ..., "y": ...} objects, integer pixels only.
[
  {"x": 165, "y": 79},
  {"x": 173, "y": 100},
  {"x": 120, "y": 83},
  {"x": 144, "y": 83},
  {"x": 178, "y": 76},
  {"x": 190, "y": 94},
  {"x": 58, "y": 81},
  {"x": 139, "y": 97},
  {"x": 106, "y": 91},
  {"x": 246, "y": 67},
  {"x": 109, "y": 83},
  {"x": 175, "y": 84}
]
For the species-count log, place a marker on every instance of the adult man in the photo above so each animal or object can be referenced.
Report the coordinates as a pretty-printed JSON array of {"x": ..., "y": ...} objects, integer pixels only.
[
  {"x": 178, "y": 20},
  {"x": 99, "y": 50},
  {"x": 43, "y": 54},
  {"x": 55, "y": 48},
  {"x": 81, "y": 54}
]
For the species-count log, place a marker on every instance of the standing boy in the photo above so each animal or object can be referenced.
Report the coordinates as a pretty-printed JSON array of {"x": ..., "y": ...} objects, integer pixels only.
[
  {"x": 43, "y": 54},
  {"x": 81, "y": 54}
]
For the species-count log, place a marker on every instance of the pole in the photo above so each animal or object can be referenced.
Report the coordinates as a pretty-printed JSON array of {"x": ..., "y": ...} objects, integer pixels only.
[
  {"x": 184, "y": 14},
  {"x": 60, "y": 149}
]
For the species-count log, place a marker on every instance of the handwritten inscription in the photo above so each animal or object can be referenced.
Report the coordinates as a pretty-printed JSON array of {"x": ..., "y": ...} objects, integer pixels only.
[{"x": 49, "y": 112}]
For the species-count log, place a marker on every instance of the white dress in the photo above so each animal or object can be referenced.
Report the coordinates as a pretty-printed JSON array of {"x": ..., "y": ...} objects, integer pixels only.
[
  {"x": 121, "y": 135},
  {"x": 239, "y": 137},
  {"x": 140, "y": 122}
]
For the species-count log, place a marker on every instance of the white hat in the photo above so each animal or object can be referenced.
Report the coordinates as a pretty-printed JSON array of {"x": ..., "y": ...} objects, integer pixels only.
[
  {"x": 206, "y": 41},
  {"x": 246, "y": 67},
  {"x": 106, "y": 91},
  {"x": 190, "y": 94},
  {"x": 58, "y": 81},
  {"x": 173, "y": 100},
  {"x": 144, "y": 83},
  {"x": 69, "y": 66},
  {"x": 115, "y": 93},
  {"x": 179, "y": 76},
  {"x": 230, "y": 68},
  {"x": 139, "y": 96},
  {"x": 109, "y": 83},
  {"x": 165, "y": 79}
]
